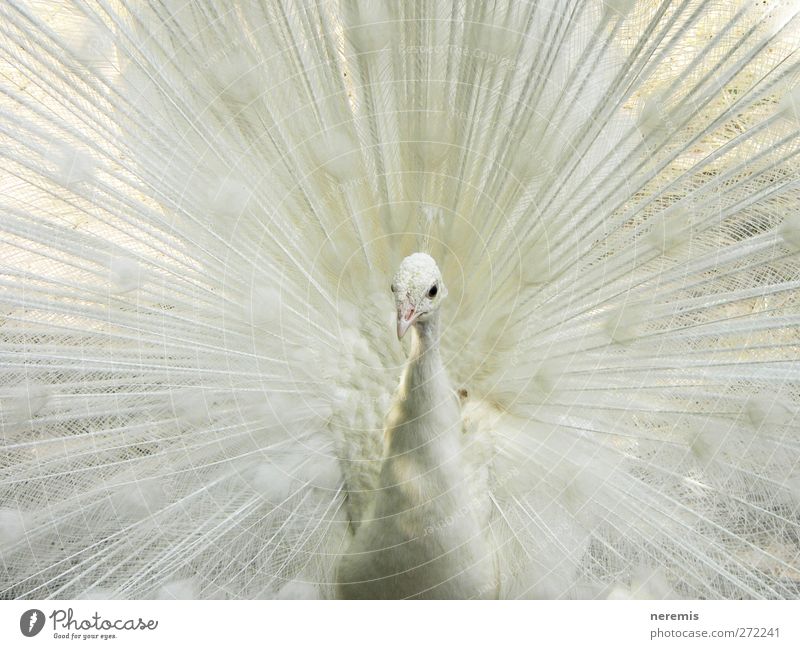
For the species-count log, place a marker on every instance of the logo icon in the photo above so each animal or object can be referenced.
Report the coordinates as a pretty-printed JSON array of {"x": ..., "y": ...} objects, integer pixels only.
[{"x": 31, "y": 622}]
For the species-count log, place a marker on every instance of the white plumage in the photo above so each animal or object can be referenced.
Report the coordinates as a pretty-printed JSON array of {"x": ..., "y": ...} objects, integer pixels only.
[{"x": 203, "y": 206}]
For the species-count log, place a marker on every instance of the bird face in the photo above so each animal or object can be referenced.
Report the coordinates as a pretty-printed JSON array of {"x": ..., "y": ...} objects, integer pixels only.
[{"x": 418, "y": 290}]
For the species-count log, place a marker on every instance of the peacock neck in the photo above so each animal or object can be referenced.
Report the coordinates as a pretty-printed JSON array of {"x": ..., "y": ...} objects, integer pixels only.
[
  {"x": 425, "y": 348},
  {"x": 427, "y": 399},
  {"x": 425, "y": 374}
]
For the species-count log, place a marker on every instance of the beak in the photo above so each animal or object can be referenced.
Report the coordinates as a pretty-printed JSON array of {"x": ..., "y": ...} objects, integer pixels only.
[{"x": 406, "y": 315}]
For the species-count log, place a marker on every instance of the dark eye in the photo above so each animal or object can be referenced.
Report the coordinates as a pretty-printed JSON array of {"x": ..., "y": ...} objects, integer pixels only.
[
  {"x": 433, "y": 290},
  {"x": 392, "y": 287}
]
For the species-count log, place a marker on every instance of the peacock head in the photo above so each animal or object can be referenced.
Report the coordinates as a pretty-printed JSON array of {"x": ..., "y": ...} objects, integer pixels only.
[{"x": 418, "y": 290}]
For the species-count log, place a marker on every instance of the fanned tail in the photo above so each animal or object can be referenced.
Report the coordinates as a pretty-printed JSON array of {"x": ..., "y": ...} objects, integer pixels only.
[{"x": 202, "y": 206}]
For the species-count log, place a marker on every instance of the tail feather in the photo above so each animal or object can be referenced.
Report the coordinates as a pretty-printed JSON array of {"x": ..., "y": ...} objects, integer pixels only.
[{"x": 202, "y": 208}]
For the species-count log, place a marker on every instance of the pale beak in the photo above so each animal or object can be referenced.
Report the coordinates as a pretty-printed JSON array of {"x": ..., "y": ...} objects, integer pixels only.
[{"x": 406, "y": 315}]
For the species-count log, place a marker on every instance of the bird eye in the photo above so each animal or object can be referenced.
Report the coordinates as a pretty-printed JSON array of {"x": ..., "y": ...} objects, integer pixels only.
[
  {"x": 392, "y": 288},
  {"x": 433, "y": 291}
]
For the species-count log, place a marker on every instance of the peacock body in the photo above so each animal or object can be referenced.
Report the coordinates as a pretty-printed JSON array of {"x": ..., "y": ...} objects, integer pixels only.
[
  {"x": 203, "y": 206},
  {"x": 421, "y": 536}
]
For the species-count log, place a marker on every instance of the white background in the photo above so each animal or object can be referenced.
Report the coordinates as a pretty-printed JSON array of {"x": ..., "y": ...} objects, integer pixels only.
[{"x": 410, "y": 624}]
